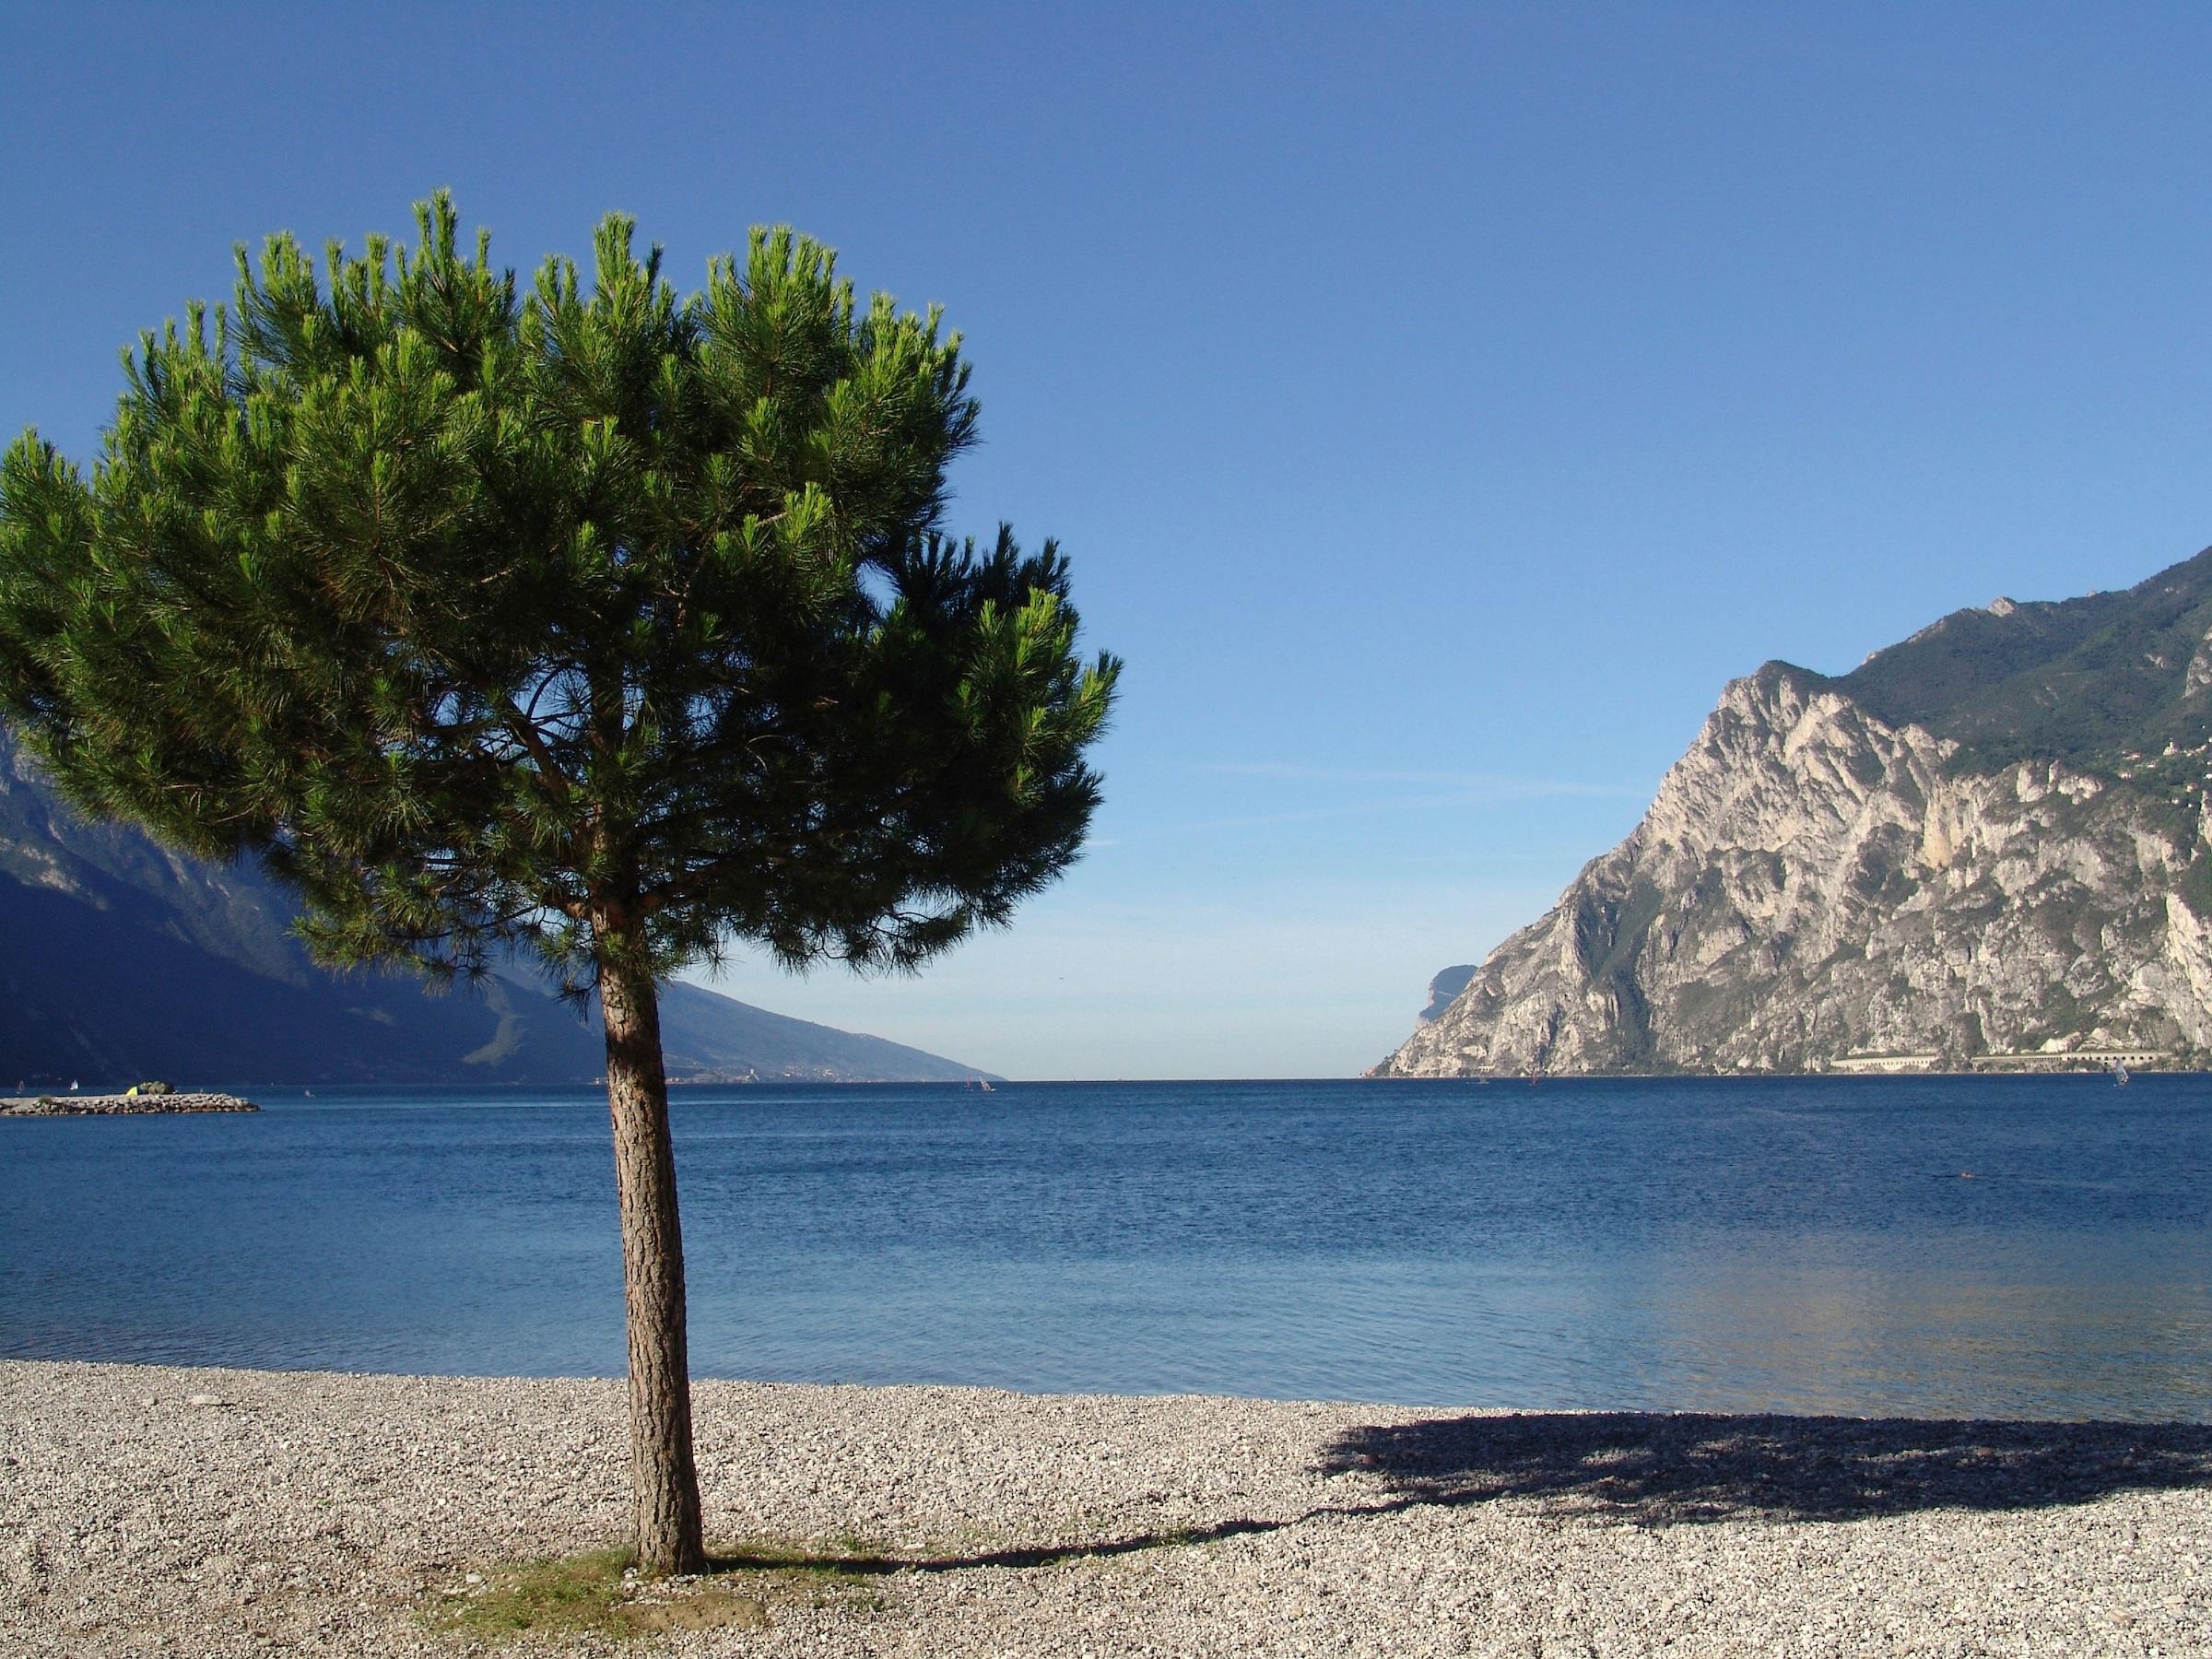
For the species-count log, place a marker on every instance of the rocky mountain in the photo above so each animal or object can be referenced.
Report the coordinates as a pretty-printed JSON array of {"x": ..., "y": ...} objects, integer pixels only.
[
  {"x": 1985, "y": 847},
  {"x": 1448, "y": 983},
  {"x": 120, "y": 959}
]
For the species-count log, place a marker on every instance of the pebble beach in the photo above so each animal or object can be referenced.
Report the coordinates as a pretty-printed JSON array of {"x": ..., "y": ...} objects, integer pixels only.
[{"x": 157, "y": 1510}]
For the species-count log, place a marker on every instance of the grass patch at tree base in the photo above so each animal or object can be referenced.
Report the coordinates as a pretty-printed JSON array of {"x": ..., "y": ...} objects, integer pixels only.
[
  {"x": 600, "y": 1593},
  {"x": 596, "y": 1592}
]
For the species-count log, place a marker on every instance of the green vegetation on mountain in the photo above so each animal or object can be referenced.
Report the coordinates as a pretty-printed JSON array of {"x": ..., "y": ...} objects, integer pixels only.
[{"x": 2105, "y": 683}]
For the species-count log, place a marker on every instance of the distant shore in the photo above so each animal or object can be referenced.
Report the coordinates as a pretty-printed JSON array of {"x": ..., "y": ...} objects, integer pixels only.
[
  {"x": 1858, "y": 1069},
  {"x": 85, "y": 1105},
  {"x": 241, "y": 1511}
]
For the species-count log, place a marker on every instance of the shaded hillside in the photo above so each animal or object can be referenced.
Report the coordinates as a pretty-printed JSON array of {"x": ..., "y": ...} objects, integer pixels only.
[
  {"x": 1448, "y": 983},
  {"x": 123, "y": 960}
]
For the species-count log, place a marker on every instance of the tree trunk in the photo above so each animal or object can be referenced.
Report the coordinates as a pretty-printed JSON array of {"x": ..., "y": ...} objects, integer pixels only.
[{"x": 663, "y": 1479}]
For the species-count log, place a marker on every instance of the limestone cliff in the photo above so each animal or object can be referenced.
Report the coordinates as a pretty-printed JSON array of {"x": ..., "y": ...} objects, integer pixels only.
[{"x": 1819, "y": 883}]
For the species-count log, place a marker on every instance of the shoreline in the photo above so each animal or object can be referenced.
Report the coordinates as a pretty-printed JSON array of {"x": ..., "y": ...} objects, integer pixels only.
[
  {"x": 1837, "y": 1073},
  {"x": 246, "y": 1511}
]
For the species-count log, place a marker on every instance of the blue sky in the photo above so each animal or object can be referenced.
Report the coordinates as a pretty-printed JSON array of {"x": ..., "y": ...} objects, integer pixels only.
[{"x": 1438, "y": 404}]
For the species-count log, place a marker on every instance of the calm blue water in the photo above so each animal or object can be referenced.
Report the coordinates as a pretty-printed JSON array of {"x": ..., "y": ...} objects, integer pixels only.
[{"x": 1800, "y": 1245}]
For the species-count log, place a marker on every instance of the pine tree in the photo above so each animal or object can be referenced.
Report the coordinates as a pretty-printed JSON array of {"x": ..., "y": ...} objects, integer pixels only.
[{"x": 597, "y": 623}]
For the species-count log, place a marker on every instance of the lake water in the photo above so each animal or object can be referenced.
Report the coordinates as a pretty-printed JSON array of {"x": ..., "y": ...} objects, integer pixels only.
[{"x": 1800, "y": 1245}]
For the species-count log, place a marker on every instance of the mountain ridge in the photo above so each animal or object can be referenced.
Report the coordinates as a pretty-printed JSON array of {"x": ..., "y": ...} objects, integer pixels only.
[
  {"x": 1987, "y": 845},
  {"x": 128, "y": 959}
]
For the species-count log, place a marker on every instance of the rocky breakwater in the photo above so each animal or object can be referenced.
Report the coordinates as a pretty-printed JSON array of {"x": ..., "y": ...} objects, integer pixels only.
[
  {"x": 82, "y": 1105},
  {"x": 1816, "y": 887}
]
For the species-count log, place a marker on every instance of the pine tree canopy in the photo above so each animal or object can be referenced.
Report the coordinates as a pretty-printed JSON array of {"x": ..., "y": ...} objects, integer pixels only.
[{"x": 487, "y": 617}]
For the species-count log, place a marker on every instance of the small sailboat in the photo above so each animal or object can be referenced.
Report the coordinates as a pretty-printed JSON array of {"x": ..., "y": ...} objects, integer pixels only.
[{"x": 2120, "y": 1074}]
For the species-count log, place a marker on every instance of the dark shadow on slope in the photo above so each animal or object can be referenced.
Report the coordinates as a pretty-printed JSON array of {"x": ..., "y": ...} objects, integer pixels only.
[{"x": 1656, "y": 1469}]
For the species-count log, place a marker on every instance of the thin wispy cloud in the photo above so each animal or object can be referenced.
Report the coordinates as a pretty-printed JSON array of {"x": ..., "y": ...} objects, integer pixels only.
[
  {"x": 1262, "y": 821},
  {"x": 1467, "y": 785},
  {"x": 1399, "y": 804}
]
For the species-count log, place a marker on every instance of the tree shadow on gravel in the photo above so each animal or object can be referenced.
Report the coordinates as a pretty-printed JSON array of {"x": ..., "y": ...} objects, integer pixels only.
[
  {"x": 1649, "y": 1469},
  {"x": 1666, "y": 1469},
  {"x": 870, "y": 1564}
]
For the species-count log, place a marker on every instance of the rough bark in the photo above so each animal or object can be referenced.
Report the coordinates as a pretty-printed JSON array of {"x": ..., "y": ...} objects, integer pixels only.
[{"x": 663, "y": 1477}]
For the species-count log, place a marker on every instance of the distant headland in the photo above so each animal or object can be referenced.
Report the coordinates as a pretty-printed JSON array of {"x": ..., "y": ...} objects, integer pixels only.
[{"x": 1984, "y": 849}]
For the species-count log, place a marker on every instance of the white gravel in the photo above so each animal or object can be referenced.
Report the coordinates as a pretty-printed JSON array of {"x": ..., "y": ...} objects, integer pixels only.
[{"x": 149, "y": 1510}]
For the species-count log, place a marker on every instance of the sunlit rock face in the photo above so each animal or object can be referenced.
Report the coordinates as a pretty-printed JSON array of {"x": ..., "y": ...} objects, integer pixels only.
[{"x": 1817, "y": 882}]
